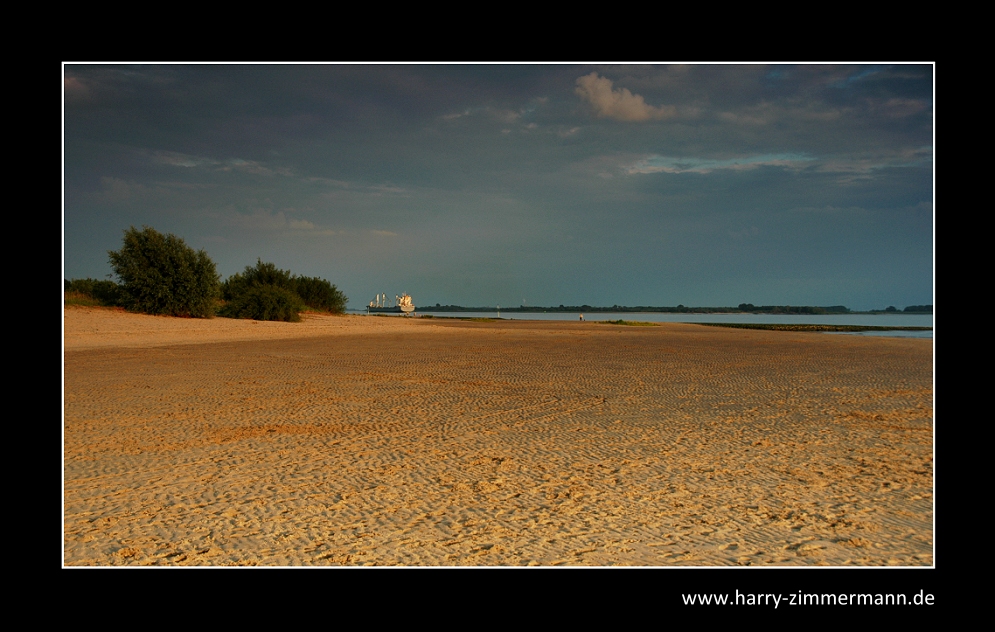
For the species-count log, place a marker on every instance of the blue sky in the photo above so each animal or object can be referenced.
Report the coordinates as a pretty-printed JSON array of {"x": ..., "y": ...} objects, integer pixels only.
[{"x": 703, "y": 185}]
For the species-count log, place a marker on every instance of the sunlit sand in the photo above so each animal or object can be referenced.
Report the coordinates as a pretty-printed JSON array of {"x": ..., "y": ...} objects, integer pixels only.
[{"x": 387, "y": 441}]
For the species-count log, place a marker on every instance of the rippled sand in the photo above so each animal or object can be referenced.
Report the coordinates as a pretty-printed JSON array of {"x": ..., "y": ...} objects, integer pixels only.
[{"x": 387, "y": 441}]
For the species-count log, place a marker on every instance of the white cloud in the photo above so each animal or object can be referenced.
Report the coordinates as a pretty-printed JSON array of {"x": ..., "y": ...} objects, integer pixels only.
[
  {"x": 262, "y": 220},
  {"x": 863, "y": 166},
  {"x": 505, "y": 116},
  {"x": 386, "y": 188},
  {"x": 620, "y": 105},
  {"x": 899, "y": 108},
  {"x": 767, "y": 113},
  {"x": 329, "y": 181},
  {"x": 668, "y": 164},
  {"x": 455, "y": 115},
  {"x": 178, "y": 159},
  {"x": 257, "y": 168}
]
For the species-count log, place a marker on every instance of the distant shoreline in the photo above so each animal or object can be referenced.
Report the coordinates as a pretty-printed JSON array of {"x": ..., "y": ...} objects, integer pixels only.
[{"x": 800, "y": 310}]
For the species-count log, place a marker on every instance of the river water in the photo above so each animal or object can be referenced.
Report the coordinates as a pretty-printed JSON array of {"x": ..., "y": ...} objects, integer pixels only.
[{"x": 877, "y": 320}]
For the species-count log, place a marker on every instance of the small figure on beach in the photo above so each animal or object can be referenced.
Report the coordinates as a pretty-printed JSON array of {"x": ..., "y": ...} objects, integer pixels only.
[{"x": 582, "y": 317}]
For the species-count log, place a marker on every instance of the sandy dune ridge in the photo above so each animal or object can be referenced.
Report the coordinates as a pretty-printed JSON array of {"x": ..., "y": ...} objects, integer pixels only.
[{"x": 386, "y": 441}]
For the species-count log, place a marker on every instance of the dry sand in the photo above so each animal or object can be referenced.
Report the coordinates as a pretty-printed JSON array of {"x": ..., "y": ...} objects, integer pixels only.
[{"x": 385, "y": 441}]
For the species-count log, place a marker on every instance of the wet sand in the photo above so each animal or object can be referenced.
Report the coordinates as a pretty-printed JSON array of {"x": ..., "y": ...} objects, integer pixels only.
[{"x": 385, "y": 441}]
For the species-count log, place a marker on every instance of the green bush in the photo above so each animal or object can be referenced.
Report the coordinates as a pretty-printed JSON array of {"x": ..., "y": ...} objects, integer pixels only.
[
  {"x": 320, "y": 294},
  {"x": 257, "y": 276},
  {"x": 246, "y": 295},
  {"x": 160, "y": 274},
  {"x": 265, "y": 302}
]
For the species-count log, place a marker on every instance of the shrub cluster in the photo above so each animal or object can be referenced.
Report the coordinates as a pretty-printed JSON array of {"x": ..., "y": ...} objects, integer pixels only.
[
  {"x": 265, "y": 302},
  {"x": 265, "y": 292},
  {"x": 321, "y": 295},
  {"x": 160, "y": 274}
]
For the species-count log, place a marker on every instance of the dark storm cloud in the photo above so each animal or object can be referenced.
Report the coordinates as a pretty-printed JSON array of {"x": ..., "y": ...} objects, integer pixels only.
[{"x": 701, "y": 184}]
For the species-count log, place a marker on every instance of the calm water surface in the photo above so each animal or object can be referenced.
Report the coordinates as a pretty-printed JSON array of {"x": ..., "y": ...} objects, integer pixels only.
[{"x": 877, "y": 320}]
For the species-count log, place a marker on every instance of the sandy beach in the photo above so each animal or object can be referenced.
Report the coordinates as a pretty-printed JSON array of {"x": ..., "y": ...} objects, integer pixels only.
[{"x": 358, "y": 440}]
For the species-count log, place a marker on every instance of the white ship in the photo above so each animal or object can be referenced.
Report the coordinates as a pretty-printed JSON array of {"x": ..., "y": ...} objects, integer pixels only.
[{"x": 402, "y": 304}]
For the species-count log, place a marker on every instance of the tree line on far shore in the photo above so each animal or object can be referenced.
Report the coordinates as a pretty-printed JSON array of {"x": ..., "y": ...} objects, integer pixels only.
[{"x": 160, "y": 274}]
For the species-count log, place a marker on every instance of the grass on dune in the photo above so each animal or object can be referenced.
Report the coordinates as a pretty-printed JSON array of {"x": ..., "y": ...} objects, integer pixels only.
[{"x": 80, "y": 299}]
